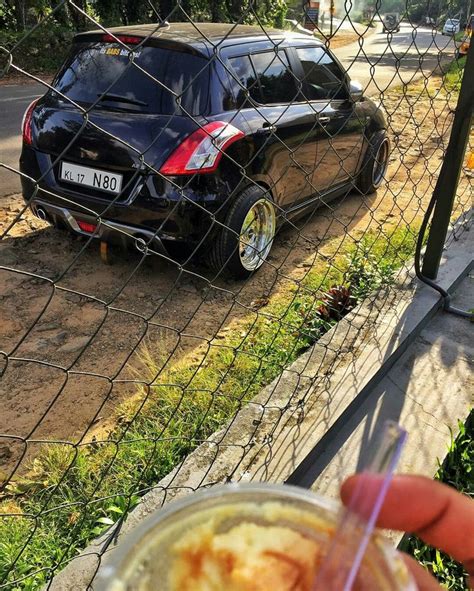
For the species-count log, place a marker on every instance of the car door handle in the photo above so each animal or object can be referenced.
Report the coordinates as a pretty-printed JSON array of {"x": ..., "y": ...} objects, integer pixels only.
[
  {"x": 267, "y": 128},
  {"x": 324, "y": 120}
]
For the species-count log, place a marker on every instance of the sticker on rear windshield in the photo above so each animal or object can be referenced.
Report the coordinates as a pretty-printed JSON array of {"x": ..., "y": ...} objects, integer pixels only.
[{"x": 117, "y": 51}]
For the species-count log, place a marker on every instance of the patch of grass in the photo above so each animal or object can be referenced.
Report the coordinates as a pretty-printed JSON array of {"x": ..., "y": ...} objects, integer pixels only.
[
  {"x": 71, "y": 494},
  {"x": 457, "y": 470},
  {"x": 454, "y": 74}
]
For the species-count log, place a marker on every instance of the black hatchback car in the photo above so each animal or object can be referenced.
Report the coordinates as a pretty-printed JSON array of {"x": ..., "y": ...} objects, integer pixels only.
[{"x": 211, "y": 135}]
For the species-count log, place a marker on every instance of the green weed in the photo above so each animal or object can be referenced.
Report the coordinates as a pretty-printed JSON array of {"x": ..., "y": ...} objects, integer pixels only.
[{"x": 454, "y": 74}]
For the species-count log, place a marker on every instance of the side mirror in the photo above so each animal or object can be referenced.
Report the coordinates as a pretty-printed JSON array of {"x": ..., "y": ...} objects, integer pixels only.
[{"x": 356, "y": 91}]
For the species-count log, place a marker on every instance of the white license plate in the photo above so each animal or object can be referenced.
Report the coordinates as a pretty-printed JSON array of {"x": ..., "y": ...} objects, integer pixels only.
[{"x": 91, "y": 177}]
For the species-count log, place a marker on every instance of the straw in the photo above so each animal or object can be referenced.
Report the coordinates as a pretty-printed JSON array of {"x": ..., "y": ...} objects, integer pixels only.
[{"x": 357, "y": 521}]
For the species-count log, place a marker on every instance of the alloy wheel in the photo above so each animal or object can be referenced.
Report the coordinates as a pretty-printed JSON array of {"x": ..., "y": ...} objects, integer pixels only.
[
  {"x": 380, "y": 163},
  {"x": 257, "y": 233}
]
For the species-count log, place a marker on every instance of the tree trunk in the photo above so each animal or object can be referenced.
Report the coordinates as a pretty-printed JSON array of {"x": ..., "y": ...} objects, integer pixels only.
[
  {"x": 61, "y": 15},
  {"x": 77, "y": 17},
  {"x": 133, "y": 10},
  {"x": 20, "y": 14},
  {"x": 166, "y": 7},
  {"x": 235, "y": 10},
  {"x": 215, "y": 12}
]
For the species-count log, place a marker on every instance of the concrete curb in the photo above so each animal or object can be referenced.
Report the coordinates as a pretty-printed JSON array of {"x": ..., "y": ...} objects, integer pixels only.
[
  {"x": 428, "y": 390},
  {"x": 281, "y": 433}
]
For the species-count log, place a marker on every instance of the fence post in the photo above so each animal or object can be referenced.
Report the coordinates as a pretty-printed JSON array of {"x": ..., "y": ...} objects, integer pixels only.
[{"x": 448, "y": 179}]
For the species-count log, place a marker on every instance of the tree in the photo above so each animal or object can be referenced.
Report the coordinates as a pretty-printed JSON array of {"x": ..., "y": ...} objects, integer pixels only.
[
  {"x": 22, "y": 13},
  {"x": 61, "y": 15},
  {"x": 7, "y": 15},
  {"x": 19, "y": 10},
  {"x": 218, "y": 11},
  {"x": 78, "y": 19}
]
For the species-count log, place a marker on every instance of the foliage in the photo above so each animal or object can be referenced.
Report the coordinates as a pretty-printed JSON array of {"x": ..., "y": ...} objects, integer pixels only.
[
  {"x": 367, "y": 271},
  {"x": 416, "y": 10},
  {"x": 7, "y": 16},
  {"x": 72, "y": 493},
  {"x": 43, "y": 50},
  {"x": 454, "y": 74},
  {"x": 457, "y": 470},
  {"x": 23, "y": 14}
]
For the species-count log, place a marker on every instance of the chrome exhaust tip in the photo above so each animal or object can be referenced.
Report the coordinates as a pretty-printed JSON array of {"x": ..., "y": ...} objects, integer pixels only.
[
  {"x": 141, "y": 245},
  {"x": 41, "y": 213}
]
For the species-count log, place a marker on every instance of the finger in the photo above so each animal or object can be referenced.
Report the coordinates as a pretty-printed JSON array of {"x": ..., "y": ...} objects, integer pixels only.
[
  {"x": 424, "y": 581},
  {"x": 437, "y": 513}
]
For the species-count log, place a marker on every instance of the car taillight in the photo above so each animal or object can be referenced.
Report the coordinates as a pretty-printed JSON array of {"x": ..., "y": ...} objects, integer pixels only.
[
  {"x": 26, "y": 123},
  {"x": 127, "y": 39},
  {"x": 202, "y": 150}
]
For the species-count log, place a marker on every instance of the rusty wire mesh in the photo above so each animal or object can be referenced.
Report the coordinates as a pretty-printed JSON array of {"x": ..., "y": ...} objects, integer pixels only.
[{"x": 112, "y": 374}]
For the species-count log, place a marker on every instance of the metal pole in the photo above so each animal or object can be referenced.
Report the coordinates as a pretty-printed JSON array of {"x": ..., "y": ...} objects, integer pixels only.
[
  {"x": 445, "y": 190},
  {"x": 332, "y": 15}
]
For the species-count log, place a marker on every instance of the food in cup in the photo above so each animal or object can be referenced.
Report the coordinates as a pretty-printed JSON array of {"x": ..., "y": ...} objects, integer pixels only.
[
  {"x": 246, "y": 557},
  {"x": 243, "y": 538}
]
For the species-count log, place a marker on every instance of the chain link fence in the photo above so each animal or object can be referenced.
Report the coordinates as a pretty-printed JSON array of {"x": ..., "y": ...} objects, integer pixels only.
[{"x": 200, "y": 205}]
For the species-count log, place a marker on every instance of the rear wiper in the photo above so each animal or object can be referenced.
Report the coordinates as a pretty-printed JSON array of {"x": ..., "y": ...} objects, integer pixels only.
[{"x": 122, "y": 99}]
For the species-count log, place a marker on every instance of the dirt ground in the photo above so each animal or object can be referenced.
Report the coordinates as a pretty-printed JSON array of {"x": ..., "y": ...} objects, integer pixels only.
[
  {"x": 342, "y": 38},
  {"x": 71, "y": 327}
]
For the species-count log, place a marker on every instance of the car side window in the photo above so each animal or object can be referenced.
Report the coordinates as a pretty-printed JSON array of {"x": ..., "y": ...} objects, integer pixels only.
[
  {"x": 322, "y": 77},
  {"x": 277, "y": 83},
  {"x": 266, "y": 76},
  {"x": 244, "y": 79}
]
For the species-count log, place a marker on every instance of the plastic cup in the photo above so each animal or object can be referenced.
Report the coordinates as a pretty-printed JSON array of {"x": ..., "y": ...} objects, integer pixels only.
[{"x": 188, "y": 542}]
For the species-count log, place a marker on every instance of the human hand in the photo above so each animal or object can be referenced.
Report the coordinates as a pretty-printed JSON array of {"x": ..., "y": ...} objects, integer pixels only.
[{"x": 435, "y": 512}]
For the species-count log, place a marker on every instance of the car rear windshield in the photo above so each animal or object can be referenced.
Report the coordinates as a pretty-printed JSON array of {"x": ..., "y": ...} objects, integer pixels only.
[{"x": 151, "y": 84}]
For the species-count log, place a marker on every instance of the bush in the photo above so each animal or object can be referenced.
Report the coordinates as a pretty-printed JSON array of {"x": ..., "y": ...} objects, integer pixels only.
[{"x": 44, "y": 50}]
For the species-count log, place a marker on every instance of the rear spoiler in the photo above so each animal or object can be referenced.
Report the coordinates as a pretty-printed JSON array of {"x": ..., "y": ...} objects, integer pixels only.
[{"x": 129, "y": 37}]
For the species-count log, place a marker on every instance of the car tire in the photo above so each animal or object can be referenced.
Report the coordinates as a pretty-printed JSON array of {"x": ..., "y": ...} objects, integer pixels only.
[
  {"x": 375, "y": 163},
  {"x": 242, "y": 245}
]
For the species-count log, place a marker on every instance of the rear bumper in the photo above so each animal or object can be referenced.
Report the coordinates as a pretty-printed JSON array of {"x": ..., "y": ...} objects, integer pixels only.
[
  {"x": 156, "y": 208},
  {"x": 144, "y": 240}
]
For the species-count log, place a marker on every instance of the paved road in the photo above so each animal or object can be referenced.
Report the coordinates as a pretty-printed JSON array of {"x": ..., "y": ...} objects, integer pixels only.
[
  {"x": 377, "y": 65},
  {"x": 14, "y": 100},
  {"x": 389, "y": 60}
]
